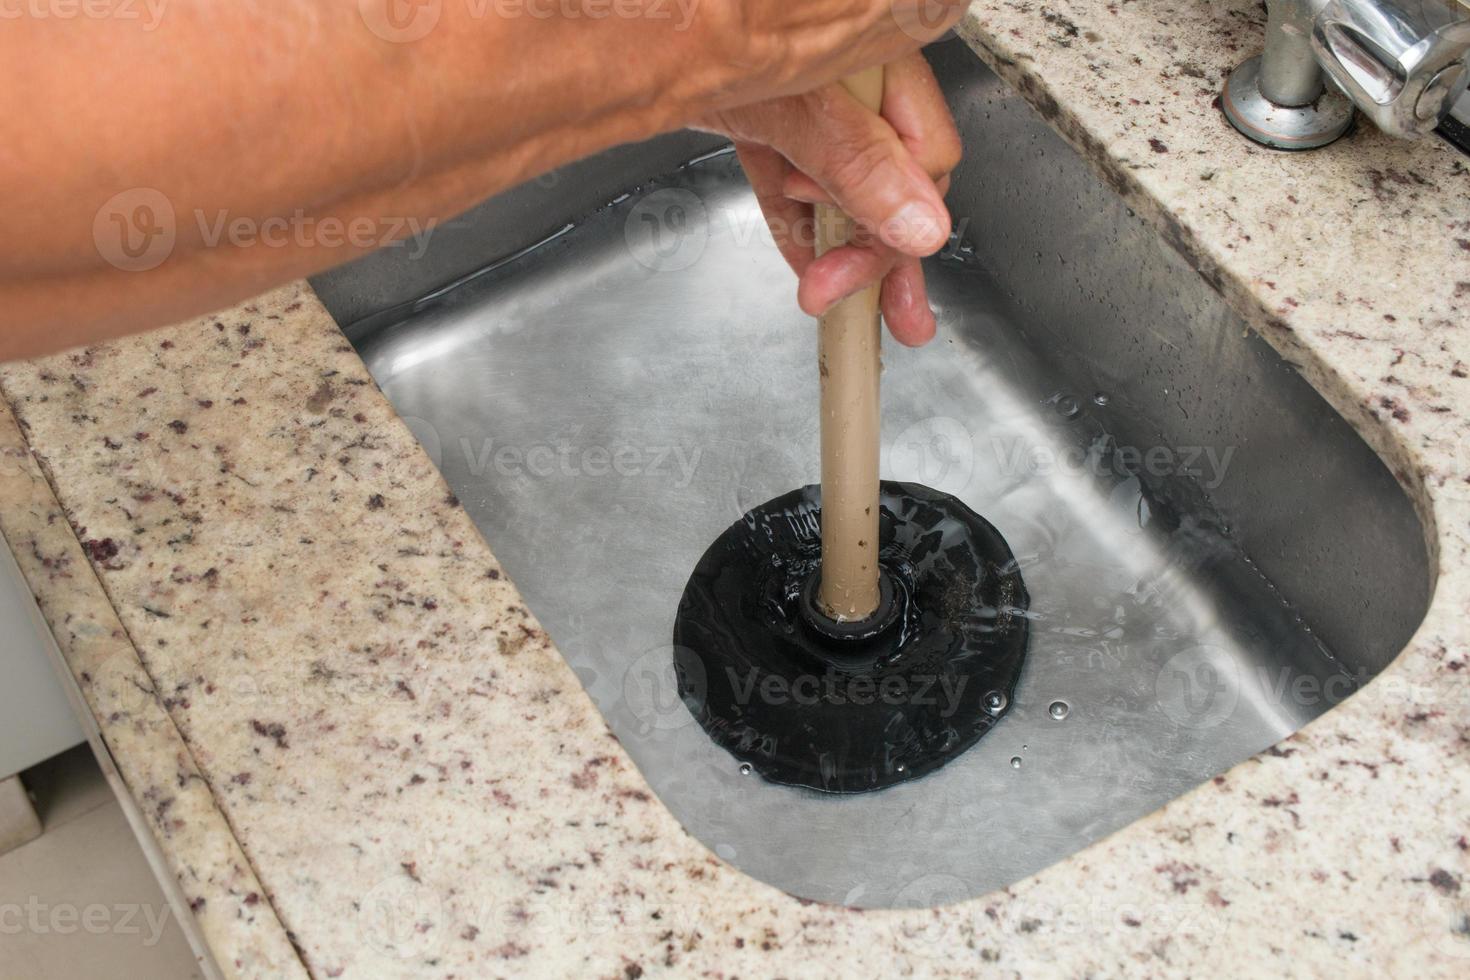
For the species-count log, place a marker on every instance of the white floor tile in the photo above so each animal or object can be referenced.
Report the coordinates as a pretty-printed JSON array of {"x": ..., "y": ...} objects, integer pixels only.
[{"x": 80, "y": 901}]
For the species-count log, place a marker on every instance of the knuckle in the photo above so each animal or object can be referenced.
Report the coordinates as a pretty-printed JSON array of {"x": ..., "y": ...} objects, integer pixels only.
[{"x": 860, "y": 167}]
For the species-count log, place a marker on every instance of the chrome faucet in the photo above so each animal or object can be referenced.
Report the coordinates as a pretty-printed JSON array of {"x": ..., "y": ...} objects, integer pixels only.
[{"x": 1402, "y": 63}]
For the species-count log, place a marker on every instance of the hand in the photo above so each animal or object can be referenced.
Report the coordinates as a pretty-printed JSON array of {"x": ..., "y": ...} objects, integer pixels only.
[
  {"x": 755, "y": 50},
  {"x": 888, "y": 171}
]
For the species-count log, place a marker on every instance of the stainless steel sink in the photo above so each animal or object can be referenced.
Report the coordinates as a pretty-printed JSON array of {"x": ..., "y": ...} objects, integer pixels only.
[{"x": 1214, "y": 556}]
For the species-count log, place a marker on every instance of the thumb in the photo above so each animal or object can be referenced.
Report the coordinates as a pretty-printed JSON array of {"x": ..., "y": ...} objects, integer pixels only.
[{"x": 858, "y": 159}]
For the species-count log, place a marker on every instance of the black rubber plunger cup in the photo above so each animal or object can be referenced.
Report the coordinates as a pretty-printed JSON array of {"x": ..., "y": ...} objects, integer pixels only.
[{"x": 851, "y": 707}]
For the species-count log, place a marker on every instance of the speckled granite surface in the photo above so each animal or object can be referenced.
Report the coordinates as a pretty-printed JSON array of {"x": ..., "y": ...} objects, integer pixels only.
[
  {"x": 225, "y": 898},
  {"x": 421, "y": 788}
]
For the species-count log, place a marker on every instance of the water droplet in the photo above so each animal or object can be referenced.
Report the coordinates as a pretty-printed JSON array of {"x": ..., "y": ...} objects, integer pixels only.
[
  {"x": 1101, "y": 398},
  {"x": 1015, "y": 762},
  {"x": 746, "y": 769},
  {"x": 995, "y": 702},
  {"x": 901, "y": 768},
  {"x": 1059, "y": 710}
]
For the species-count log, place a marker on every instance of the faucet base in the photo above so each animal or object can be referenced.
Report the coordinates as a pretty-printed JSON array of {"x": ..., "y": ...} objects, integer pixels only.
[{"x": 1281, "y": 127}]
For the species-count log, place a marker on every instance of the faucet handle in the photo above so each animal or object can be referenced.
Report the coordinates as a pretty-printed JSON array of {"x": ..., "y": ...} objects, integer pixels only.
[{"x": 1403, "y": 62}]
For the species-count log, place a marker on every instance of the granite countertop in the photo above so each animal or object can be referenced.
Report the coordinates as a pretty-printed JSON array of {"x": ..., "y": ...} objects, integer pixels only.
[{"x": 362, "y": 756}]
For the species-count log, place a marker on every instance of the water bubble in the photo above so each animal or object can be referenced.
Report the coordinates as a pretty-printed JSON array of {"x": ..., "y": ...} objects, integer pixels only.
[
  {"x": 1015, "y": 762},
  {"x": 901, "y": 767},
  {"x": 995, "y": 702},
  {"x": 1066, "y": 406},
  {"x": 746, "y": 769},
  {"x": 1101, "y": 398},
  {"x": 1059, "y": 710}
]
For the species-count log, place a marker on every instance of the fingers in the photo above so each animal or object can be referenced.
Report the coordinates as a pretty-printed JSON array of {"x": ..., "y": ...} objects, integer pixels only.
[
  {"x": 838, "y": 274},
  {"x": 914, "y": 106},
  {"x": 889, "y": 172},
  {"x": 862, "y": 163},
  {"x": 789, "y": 220},
  {"x": 905, "y": 305},
  {"x": 904, "y": 300},
  {"x": 800, "y": 187}
]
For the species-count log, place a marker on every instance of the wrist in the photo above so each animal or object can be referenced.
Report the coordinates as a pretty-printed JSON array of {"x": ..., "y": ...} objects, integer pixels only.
[{"x": 720, "y": 60}]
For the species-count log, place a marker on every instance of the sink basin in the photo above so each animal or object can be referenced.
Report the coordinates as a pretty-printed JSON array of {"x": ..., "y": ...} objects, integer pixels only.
[{"x": 1214, "y": 556}]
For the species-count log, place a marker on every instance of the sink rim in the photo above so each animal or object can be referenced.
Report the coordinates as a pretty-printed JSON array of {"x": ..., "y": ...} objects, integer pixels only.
[{"x": 369, "y": 342}]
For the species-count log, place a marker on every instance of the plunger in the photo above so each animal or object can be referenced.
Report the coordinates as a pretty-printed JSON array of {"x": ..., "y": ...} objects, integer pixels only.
[{"x": 854, "y": 635}]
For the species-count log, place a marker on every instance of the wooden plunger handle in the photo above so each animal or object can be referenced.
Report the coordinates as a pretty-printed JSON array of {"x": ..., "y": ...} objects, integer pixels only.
[{"x": 847, "y": 358}]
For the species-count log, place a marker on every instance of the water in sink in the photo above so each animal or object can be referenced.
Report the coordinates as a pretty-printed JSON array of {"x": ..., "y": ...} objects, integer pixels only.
[{"x": 607, "y": 404}]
